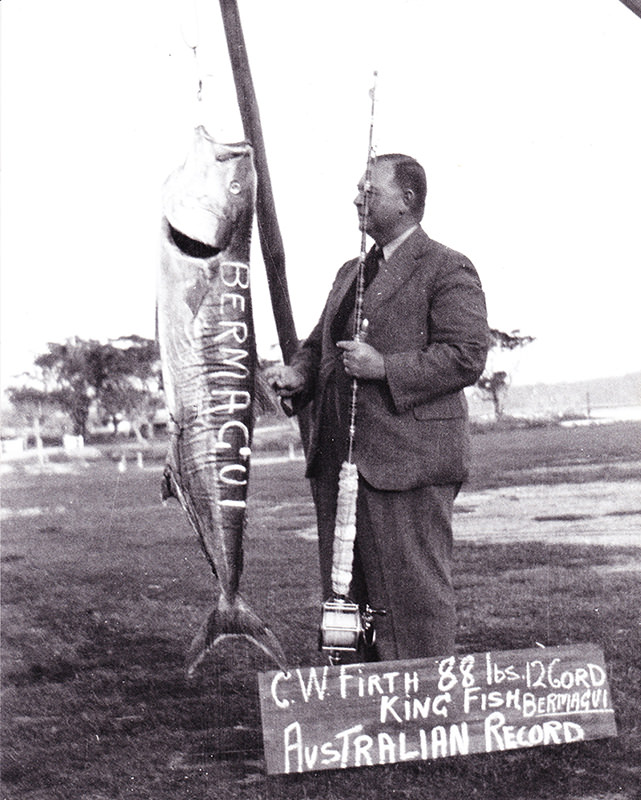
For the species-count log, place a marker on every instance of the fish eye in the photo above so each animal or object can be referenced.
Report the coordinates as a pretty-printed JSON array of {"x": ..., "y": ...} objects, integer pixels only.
[{"x": 234, "y": 187}]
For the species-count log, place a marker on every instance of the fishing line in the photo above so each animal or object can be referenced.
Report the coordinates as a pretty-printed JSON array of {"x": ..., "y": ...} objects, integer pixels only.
[
  {"x": 190, "y": 32},
  {"x": 211, "y": 74},
  {"x": 192, "y": 43}
]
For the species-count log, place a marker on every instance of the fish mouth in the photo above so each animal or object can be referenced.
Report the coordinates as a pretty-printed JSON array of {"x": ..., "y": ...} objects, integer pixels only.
[{"x": 191, "y": 247}]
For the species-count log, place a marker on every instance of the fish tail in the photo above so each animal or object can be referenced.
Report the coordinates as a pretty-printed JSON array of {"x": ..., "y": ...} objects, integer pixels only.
[{"x": 233, "y": 618}]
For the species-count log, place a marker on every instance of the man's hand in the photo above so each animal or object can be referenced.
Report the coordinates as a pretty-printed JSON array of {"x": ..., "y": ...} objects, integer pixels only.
[
  {"x": 285, "y": 381},
  {"x": 362, "y": 361}
]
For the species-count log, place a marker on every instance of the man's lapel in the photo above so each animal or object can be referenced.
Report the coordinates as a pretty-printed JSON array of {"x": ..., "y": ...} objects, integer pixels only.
[
  {"x": 395, "y": 273},
  {"x": 343, "y": 284}
]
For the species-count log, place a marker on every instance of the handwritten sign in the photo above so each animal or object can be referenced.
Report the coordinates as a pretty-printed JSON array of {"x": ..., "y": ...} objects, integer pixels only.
[{"x": 358, "y": 715}]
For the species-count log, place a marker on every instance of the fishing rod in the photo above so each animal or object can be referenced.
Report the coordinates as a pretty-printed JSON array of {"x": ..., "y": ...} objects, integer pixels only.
[
  {"x": 360, "y": 325},
  {"x": 344, "y": 625}
]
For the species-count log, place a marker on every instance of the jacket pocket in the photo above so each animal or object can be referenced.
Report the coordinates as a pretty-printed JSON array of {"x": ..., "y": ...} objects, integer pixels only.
[{"x": 449, "y": 406}]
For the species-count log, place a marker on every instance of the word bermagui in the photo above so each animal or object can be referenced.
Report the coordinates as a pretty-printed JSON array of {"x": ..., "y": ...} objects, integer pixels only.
[{"x": 360, "y": 715}]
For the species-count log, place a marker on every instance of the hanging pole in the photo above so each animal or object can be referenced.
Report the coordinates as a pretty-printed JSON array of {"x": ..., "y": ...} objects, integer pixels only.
[
  {"x": 271, "y": 241},
  {"x": 269, "y": 231},
  {"x": 633, "y": 5}
]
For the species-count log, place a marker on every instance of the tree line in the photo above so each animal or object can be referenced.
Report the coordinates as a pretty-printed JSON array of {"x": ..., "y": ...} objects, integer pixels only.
[{"x": 121, "y": 381}]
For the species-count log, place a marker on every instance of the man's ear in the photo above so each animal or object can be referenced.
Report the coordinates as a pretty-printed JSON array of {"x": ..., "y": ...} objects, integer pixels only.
[{"x": 408, "y": 198}]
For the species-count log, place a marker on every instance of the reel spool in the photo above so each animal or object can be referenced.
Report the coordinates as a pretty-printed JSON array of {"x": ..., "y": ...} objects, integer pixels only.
[{"x": 344, "y": 626}]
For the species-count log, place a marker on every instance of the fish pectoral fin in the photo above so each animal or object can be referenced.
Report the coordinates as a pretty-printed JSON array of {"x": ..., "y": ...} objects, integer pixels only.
[
  {"x": 195, "y": 293},
  {"x": 233, "y": 618}
]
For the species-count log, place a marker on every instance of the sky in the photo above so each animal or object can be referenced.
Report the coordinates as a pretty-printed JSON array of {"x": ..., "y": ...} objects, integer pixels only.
[{"x": 526, "y": 117}]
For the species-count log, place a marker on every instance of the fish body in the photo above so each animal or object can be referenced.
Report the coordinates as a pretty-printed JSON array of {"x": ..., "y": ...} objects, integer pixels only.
[{"x": 208, "y": 355}]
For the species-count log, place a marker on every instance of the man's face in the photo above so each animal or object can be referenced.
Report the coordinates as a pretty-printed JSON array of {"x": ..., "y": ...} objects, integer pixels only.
[{"x": 387, "y": 205}]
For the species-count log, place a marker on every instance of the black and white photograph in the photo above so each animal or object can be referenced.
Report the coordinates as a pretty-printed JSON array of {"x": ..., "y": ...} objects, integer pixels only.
[{"x": 320, "y": 397}]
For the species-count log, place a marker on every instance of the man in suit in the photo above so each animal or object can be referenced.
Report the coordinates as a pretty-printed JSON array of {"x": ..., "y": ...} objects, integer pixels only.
[{"x": 427, "y": 338}]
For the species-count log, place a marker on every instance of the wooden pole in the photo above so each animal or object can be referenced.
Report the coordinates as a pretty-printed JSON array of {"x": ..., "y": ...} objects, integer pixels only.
[
  {"x": 633, "y": 5},
  {"x": 271, "y": 241},
  {"x": 269, "y": 232}
]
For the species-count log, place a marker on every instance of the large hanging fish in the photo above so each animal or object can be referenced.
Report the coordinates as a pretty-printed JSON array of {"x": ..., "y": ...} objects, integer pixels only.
[{"x": 208, "y": 354}]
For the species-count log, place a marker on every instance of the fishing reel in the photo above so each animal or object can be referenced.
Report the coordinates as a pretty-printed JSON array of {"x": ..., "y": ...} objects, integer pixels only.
[{"x": 345, "y": 626}]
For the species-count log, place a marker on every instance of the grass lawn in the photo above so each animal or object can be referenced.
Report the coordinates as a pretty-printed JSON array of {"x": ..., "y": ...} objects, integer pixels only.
[{"x": 103, "y": 588}]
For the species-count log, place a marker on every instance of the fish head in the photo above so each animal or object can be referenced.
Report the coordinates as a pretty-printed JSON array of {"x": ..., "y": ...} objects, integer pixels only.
[{"x": 208, "y": 197}]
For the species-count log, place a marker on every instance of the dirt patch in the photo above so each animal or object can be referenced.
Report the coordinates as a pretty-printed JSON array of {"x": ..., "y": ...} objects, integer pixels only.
[{"x": 587, "y": 513}]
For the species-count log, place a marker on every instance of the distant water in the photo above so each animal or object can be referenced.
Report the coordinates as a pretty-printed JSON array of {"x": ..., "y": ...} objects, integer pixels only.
[
  {"x": 616, "y": 413},
  {"x": 607, "y": 414},
  {"x": 600, "y": 414},
  {"x": 601, "y": 399}
]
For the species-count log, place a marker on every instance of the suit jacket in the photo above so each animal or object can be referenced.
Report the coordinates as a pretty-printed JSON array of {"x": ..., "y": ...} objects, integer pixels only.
[{"x": 427, "y": 316}]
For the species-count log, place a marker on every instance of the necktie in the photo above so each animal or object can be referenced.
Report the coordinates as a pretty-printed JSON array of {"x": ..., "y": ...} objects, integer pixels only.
[
  {"x": 372, "y": 263},
  {"x": 370, "y": 267}
]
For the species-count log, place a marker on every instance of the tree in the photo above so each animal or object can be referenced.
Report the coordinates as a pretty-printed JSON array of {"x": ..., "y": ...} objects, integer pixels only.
[
  {"x": 493, "y": 383},
  {"x": 34, "y": 405},
  {"x": 75, "y": 371},
  {"x": 131, "y": 389},
  {"x": 120, "y": 376}
]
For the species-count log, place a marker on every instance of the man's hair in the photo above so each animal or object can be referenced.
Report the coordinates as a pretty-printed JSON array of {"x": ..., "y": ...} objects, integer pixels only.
[{"x": 408, "y": 174}]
